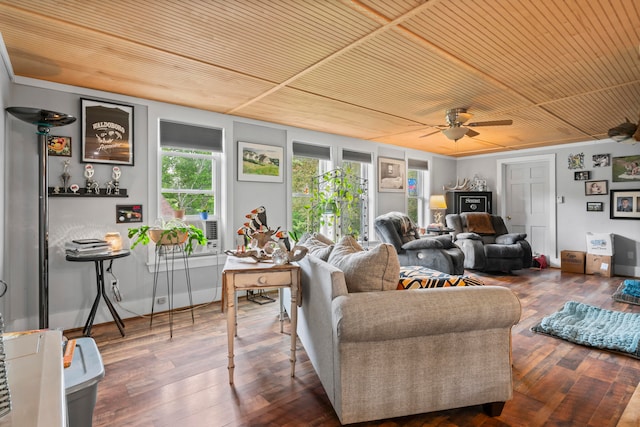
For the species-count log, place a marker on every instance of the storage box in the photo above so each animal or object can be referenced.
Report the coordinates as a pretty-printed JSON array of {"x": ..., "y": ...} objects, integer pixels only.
[
  {"x": 572, "y": 261},
  {"x": 81, "y": 382},
  {"x": 601, "y": 265},
  {"x": 600, "y": 244}
]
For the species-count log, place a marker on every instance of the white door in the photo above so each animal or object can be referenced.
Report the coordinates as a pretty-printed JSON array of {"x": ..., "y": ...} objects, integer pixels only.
[{"x": 527, "y": 200}]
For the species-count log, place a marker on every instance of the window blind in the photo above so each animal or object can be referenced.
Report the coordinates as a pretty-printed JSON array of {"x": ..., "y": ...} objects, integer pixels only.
[
  {"x": 180, "y": 135},
  {"x": 356, "y": 156},
  {"x": 313, "y": 151},
  {"x": 415, "y": 164}
]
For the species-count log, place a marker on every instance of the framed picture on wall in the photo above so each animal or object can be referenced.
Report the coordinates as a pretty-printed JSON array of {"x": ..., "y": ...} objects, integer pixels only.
[
  {"x": 59, "y": 145},
  {"x": 596, "y": 188},
  {"x": 595, "y": 206},
  {"x": 260, "y": 162},
  {"x": 107, "y": 132},
  {"x": 581, "y": 175},
  {"x": 392, "y": 175},
  {"x": 601, "y": 160},
  {"x": 625, "y": 169},
  {"x": 625, "y": 204}
]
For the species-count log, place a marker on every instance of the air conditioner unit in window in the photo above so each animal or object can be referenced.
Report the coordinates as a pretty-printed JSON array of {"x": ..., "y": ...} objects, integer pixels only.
[{"x": 210, "y": 228}]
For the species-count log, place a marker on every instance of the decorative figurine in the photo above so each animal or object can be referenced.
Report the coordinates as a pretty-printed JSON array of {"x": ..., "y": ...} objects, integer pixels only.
[
  {"x": 116, "y": 179},
  {"x": 65, "y": 175},
  {"x": 109, "y": 187},
  {"x": 74, "y": 188}
]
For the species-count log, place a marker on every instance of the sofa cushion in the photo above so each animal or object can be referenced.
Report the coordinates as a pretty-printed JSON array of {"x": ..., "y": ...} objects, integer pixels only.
[
  {"x": 416, "y": 277},
  {"x": 377, "y": 269},
  {"x": 318, "y": 247},
  {"x": 479, "y": 223}
]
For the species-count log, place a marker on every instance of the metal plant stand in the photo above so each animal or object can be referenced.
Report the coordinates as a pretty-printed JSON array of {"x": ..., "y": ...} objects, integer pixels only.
[
  {"x": 44, "y": 120},
  {"x": 170, "y": 253}
]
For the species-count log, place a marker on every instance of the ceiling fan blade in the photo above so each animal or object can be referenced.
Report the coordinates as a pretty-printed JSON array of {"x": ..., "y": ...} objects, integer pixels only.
[
  {"x": 471, "y": 133},
  {"x": 429, "y": 134},
  {"x": 491, "y": 123}
]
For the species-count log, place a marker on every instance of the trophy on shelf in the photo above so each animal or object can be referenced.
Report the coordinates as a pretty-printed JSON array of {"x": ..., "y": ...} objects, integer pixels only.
[
  {"x": 116, "y": 179},
  {"x": 66, "y": 176}
]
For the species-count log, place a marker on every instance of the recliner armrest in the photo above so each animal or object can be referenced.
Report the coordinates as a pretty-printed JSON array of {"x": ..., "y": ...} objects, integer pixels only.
[
  {"x": 470, "y": 236},
  {"x": 422, "y": 244},
  {"x": 510, "y": 238}
]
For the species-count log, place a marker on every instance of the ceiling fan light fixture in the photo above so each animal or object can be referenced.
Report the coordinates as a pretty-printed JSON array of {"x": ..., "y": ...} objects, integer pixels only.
[{"x": 455, "y": 133}]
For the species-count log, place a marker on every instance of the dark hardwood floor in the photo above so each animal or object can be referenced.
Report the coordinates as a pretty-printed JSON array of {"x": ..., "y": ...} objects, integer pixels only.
[{"x": 152, "y": 380}]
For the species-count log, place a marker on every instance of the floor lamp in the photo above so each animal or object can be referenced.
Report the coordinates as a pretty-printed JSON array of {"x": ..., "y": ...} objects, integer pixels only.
[{"x": 44, "y": 120}]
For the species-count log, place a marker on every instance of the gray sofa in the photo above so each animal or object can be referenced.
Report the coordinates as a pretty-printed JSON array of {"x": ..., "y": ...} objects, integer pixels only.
[
  {"x": 435, "y": 252},
  {"x": 393, "y": 353},
  {"x": 487, "y": 244}
]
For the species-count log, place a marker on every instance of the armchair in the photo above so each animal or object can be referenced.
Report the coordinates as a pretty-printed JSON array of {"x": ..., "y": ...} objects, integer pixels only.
[
  {"x": 487, "y": 244},
  {"x": 437, "y": 253}
]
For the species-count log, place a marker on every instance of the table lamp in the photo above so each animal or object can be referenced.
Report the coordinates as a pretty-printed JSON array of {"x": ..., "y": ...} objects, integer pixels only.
[{"x": 437, "y": 204}]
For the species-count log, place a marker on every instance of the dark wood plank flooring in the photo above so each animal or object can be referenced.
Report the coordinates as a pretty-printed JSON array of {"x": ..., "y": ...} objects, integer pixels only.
[{"x": 155, "y": 381}]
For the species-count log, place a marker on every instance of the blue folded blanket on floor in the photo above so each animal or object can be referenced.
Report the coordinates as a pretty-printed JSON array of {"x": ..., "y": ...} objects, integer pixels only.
[{"x": 631, "y": 287}]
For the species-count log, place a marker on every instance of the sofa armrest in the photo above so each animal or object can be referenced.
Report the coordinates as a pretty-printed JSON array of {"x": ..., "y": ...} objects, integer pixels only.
[
  {"x": 390, "y": 315},
  {"x": 510, "y": 238}
]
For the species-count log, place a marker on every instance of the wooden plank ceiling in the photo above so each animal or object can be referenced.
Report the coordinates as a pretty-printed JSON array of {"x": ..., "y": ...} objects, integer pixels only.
[{"x": 381, "y": 70}]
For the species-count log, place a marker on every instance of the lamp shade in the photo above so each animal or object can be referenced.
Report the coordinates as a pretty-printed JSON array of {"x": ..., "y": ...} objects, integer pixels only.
[
  {"x": 437, "y": 202},
  {"x": 455, "y": 133}
]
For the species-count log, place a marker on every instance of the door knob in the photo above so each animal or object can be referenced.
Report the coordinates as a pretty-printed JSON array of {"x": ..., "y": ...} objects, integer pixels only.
[{"x": 508, "y": 218}]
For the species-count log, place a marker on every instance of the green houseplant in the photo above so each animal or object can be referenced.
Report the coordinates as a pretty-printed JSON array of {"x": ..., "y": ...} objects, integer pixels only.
[
  {"x": 336, "y": 199},
  {"x": 169, "y": 232}
]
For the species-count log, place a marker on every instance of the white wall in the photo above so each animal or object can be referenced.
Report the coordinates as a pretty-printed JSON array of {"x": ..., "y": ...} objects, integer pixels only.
[
  {"x": 573, "y": 221},
  {"x": 72, "y": 285}
]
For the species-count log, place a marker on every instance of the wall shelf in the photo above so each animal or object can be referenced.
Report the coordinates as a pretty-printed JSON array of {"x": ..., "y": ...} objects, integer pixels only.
[{"x": 82, "y": 192}]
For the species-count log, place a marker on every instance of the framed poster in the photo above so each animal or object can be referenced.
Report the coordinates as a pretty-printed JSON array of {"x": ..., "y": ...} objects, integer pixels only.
[
  {"x": 596, "y": 188},
  {"x": 59, "y": 145},
  {"x": 625, "y": 204},
  {"x": 392, "y": 176},
  {"x": 260, "y": 162},
  {"x": 625, "y": 169},
  {"x": 107, "y": 132}
]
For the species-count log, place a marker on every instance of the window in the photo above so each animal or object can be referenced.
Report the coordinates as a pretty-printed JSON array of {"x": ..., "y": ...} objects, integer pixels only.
[
  {"x": 357, "y": 167},
  {"x": 190, "y": 157},
  {"x": 187, "y": 181},
  {"x": 308, "y": 162},
  {"x": 416, "y": 194}
]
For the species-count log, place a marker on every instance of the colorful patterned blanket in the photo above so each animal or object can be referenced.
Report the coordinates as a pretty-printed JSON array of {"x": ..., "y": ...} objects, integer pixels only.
[{"x": 416, "y": 277}]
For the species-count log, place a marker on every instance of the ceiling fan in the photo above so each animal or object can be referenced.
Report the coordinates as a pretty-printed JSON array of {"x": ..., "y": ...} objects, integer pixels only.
[
  {"x": 456, "y": 118},
  {"x": 627, "y": 132}
]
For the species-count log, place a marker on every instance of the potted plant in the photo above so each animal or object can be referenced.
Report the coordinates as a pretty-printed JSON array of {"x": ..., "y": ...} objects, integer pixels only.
[
  {"x": 171, "y": 232},
  {"x": 333, "y": 201},
  {"x": 179, "y": 207}
]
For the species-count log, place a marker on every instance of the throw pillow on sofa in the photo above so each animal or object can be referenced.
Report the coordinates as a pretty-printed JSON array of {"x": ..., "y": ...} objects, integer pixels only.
[
  {"x": 377, "y": 269},
  {"x": 318, "y": 247}
]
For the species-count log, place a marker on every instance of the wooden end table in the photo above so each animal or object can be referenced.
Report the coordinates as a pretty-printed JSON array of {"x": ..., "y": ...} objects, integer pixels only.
[{"x": 241, "y": 274}]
